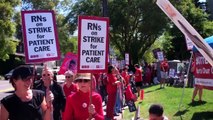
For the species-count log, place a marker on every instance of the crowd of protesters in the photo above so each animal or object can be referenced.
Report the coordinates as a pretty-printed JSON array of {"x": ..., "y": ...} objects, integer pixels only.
[{"x": 80, "y": 97}]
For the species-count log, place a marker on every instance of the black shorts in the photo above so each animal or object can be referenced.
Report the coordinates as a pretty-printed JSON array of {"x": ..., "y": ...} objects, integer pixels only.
[{"x": 138, "y": 84}]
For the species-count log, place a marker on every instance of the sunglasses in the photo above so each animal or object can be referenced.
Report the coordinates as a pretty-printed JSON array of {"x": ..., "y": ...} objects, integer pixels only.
[
  {"x": 82, "y": 80},
  {"x": 46, "y": 75},
  {"x": 68, "y": 76}
]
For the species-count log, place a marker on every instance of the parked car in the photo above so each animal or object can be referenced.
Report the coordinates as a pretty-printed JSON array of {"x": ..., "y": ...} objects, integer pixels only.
[
  {"x": 38, "y": 71},
  {"x": 8, "y": 75}
]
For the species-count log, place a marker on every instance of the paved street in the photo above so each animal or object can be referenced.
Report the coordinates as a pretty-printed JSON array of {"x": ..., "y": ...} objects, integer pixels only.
[{"x": 5, "y": 88}]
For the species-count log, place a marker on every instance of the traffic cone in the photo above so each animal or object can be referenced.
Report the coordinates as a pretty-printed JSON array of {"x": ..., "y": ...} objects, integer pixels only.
[{"x": 141, "y": 94}]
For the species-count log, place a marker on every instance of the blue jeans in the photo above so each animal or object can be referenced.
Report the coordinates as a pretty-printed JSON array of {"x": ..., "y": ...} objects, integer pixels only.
[{"x": 117, "y": 107}]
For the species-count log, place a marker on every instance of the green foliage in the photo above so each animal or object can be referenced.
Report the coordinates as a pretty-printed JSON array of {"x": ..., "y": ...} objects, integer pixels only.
[
  {"x": 163, "y": 42},
  {"x": 7, "y": 46},
  {"x": 197, "y": 18},
  {"x": 148, "y": 56},
  {"x": 67, "y": 43},
  {"x": 17, "y": 19},
  {"x": 135, "y": 24},
  {"x": 39, "y": 4},
  {"x": 82, "y": 7},
  {"x": 166, "y": 43},
  {"x": 70, "y": 45},
  {"x": 208, "y": 27}
]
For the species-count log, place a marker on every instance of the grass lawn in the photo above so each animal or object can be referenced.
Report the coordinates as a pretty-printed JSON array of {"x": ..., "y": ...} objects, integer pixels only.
[{"x": 170, "y": 99}]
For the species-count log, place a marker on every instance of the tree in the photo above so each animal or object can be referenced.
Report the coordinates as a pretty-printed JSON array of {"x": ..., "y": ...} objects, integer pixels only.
[
  {"x": 67, "y": 43},
  {"x": 164, "y": 42},
  {"x": 82, "y": 7},
  {"x": 197, "y": 18},
  {"x": 135, "y": 24},
  {"x": 7, "y": 41},
  {"x": 39, "y": 4}
]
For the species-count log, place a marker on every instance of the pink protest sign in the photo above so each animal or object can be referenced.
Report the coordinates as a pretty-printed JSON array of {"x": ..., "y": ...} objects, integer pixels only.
[{"x": 69, "y": 63}]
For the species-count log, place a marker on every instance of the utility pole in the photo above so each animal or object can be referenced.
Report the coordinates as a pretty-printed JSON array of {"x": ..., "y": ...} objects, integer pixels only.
[{"x": 105, "y": 8}]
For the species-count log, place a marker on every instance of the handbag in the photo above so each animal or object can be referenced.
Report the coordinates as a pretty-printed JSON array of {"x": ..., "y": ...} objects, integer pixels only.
[{"x": 131, "y": 105}]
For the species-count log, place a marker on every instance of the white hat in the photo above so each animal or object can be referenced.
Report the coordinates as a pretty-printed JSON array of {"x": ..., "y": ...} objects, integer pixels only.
[
  {"x": 69, "y": 72},
  {"x": 83, "y": 76}
]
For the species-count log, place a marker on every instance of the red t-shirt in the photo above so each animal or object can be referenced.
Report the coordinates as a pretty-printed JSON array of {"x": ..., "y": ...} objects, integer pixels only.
[
  {"x": 164, "y": 66},
  {"x": 126, "y": 77},
  {"x": 138, "y": 75},
  {"x": 128, "y": 93},
  {"x": 67, "y": 91},
  {"x": 77, "y": 106},
  {"x": 110, "y": 87}
]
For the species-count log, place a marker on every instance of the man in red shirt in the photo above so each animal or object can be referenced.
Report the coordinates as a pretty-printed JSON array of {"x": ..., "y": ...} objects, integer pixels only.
[
  {"x": 138, "y": 78},
  {"x": 164, "y": 66}
]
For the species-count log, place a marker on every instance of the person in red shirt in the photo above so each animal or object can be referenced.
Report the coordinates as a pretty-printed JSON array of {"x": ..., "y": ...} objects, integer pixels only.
[
  {"x": 128, "y": 92},
  {"x": 197, "y": 89},
  {"x": 164, "y": 66},
  {"x": 79, "y": 106},
  {"x": 125, "y": 75},
  {"x": 111, "y": 91},
  {"x": 69, "y": 87},
  {"x": 138, "y": 78},
  {"x": 147, "y": 74},
  {"x": 97, "y": 82}
]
